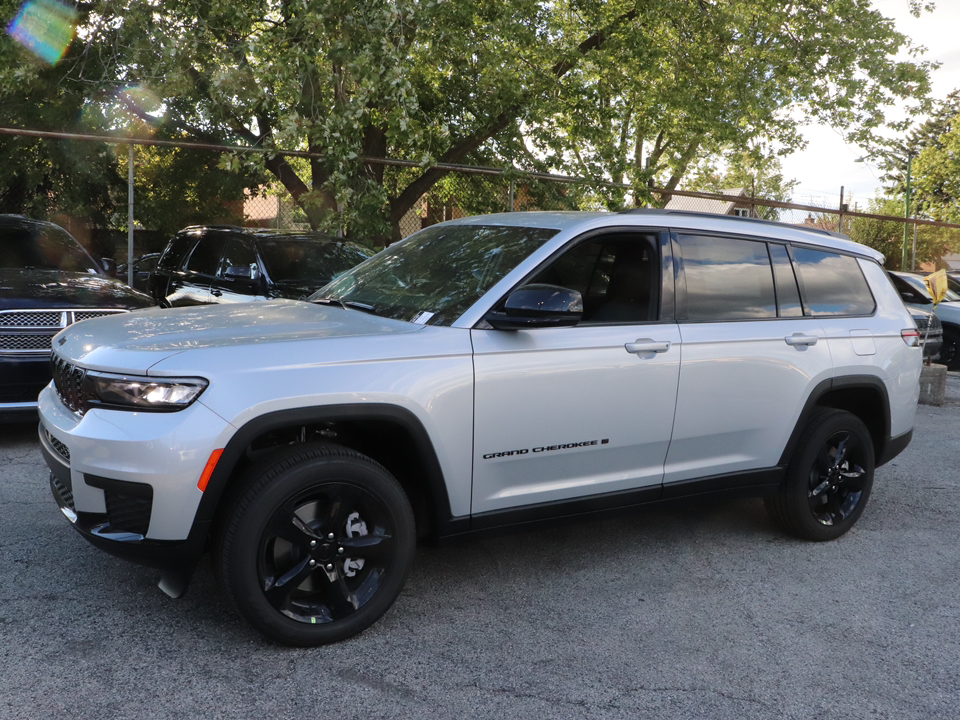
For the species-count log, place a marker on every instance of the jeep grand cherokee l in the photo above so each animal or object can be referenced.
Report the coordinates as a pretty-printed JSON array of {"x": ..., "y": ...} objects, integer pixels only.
[{"x": 486, "y": 373}]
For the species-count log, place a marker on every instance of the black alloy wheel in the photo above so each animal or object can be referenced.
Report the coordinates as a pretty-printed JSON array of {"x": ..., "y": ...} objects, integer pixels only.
[
  {"x": 319, "y": 545},
  {"x": 829, "y": 480}
]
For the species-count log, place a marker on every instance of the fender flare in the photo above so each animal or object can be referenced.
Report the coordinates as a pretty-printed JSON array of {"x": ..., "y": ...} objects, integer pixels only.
[
  {"x": 236, "y": 446},
  {"x": 846, "y": 382}
]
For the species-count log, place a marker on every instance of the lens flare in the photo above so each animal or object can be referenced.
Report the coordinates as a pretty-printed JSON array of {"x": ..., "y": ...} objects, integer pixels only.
[{"x": 45, "y": 27}]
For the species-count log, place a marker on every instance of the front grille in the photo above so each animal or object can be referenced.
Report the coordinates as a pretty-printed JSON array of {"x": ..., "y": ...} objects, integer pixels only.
[
  {"x": 128, "y": 513},
  {"x": 68, "y": 381},
  {"x": 79, "y": 315},
  {"x": 25, "y": 342},
  {"x": 15, "y": 327},
  {"x": 32, "y": 319}
]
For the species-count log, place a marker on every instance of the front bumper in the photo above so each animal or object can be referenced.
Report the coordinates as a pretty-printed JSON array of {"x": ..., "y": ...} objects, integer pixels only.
[{"x": 127, "y": 481}]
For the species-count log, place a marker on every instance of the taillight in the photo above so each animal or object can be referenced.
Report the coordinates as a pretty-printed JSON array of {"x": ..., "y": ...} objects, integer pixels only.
[{"x": 911, "y": 337}]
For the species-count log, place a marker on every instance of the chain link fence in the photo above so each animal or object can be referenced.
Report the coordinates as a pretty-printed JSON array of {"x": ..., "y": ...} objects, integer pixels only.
[{"x": 208, "y": 194}]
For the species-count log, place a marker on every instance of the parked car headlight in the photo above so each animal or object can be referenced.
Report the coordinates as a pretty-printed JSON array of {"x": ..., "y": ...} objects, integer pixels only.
[{"x": 143, "y": 393}]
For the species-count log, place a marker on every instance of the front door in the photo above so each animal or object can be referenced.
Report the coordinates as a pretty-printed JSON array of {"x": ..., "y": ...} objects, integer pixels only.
[{"x": 588, "y": 410}]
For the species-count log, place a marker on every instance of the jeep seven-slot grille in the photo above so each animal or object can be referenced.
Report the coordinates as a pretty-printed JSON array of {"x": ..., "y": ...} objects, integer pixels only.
[
  {"x": 28, "y": 332},
  {"x": 68, "y": 381}
]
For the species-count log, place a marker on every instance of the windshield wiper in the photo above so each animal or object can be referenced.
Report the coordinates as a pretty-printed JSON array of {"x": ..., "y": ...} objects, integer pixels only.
[{"x": 347, "y": 304}]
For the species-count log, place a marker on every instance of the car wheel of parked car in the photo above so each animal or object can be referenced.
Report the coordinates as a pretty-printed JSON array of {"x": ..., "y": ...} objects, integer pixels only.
[
  {"x": 317, "y": 546},
  {"x": 950, "y": 350},
  {"x": 829, "y": 479}
]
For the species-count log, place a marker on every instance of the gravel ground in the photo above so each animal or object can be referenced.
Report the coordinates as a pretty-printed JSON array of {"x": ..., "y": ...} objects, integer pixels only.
[{"x": 704, "y": 612}]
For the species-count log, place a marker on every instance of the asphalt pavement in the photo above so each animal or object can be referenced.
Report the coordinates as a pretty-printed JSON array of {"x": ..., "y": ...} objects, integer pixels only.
[{"x": 702, "y": 612}]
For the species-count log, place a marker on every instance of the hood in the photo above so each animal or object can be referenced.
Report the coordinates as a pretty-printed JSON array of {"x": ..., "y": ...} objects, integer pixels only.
[
  {"x": 133, "y": 342},
  {"x": 296, "y": 289},
  {"x": 39, "y": 289}
]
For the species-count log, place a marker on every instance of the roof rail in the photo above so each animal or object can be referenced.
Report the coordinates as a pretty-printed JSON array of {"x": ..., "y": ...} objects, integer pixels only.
[{"x": 736, "y": 218}]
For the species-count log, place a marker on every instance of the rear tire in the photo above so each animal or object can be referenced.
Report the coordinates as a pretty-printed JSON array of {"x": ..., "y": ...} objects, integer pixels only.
[
  {"x": 829, "y": 478},
  {"x": 950, "y": 350},
  {"x": 317, "y": 545}
]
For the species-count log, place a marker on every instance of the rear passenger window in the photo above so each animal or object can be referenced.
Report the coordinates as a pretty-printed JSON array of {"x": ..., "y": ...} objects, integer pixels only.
[
  {"x": 205, "y": 258},
  {"x": 832, "y": 284},
  {"x": 727, "y": 279}
]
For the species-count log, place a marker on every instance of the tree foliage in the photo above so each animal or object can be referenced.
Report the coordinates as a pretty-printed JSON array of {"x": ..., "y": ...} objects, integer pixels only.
[
  {"x": 932, "y": 243},
  {"x": 620, "y": 90}
]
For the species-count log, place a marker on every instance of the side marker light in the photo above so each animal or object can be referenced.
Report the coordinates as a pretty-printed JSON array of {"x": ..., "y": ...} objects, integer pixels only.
[{"x": 208, "y": 470}]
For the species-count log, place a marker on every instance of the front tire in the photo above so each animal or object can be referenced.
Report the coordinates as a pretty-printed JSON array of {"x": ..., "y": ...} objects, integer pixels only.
[
  {"x": 317, "y": 546},
  {"x": 829, "y": 478}
]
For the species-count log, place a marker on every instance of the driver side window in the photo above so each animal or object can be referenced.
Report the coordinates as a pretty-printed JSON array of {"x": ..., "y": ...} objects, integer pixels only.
[{"x": 618, "y": 277}]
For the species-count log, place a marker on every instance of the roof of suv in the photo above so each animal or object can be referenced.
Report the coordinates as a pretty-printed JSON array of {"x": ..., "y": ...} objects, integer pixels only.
[
  {"x": 266, "y": 233},
  {"x": 680, "y": 219}
]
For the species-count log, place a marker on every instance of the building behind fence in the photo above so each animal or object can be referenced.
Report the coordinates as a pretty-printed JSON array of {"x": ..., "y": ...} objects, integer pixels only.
[{"x": 465, "y": 190}]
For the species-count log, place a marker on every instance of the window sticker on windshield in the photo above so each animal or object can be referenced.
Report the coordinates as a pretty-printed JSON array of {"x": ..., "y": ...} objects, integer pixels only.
[{"x": 422, "y": 317}]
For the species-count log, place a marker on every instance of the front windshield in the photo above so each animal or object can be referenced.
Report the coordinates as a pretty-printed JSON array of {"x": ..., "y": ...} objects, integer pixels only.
[
  {"x": 919, "y": 284},
  {"x": 304, "y": 260},
  {"x": 43, "y": 247},
  {"x": 434, "y": 276}
]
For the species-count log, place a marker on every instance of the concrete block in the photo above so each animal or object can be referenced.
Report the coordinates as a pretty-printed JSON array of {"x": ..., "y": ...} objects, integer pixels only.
[{"x": 933, "y": 384}]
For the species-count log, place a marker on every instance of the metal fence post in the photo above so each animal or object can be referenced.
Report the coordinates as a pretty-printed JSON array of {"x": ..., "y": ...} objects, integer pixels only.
[
  {"x": 130, "y": 214},
  {"x": 511, "y": 194}
]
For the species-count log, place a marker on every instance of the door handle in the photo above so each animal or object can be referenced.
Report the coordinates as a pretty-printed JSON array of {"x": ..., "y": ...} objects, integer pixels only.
[
  {"x": 216, "y": 293},
  {"x": 647, "y": 345},
  {"x": 800, "y": 339}
]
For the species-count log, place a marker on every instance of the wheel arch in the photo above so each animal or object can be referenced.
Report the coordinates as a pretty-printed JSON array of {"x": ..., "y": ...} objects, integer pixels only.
[
  {"x": 862, "y": 395},
  {"x": 391, "y": 435}
]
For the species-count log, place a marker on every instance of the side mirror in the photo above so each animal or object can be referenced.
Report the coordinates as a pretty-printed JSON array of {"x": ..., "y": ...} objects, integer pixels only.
[
  {"x": 536, "y": 306},
  {"x": 109, "y": 266}
]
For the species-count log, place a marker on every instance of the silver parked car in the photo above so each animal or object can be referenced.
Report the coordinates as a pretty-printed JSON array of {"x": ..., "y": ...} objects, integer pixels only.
[{"x": 488, "y": 373}]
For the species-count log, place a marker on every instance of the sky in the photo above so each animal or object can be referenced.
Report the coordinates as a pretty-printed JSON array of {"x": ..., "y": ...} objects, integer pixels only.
[{"x": 828, "y": 162}]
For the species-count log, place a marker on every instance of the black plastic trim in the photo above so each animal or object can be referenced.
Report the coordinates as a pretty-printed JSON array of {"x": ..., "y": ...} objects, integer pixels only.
[
  {"x": 846, "y": 382},
  {"x": 753, "y": 483},
  {"x": 123, "y": 487},
  {"x": 238, "y": 444},
  {"x": 893, "y": 447}
]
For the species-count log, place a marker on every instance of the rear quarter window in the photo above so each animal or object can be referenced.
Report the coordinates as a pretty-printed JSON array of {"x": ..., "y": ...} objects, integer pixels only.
[{"x": 832, "y": 284}]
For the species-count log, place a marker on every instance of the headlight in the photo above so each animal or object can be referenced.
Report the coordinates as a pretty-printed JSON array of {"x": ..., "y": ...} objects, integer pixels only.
[{"x": 141, "y": 393}]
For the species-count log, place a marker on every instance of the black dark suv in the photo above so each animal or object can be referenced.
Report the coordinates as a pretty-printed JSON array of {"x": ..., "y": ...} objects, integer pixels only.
[
  {"x": 217, "y": 264},
  {"x": 47, "y": 281}
]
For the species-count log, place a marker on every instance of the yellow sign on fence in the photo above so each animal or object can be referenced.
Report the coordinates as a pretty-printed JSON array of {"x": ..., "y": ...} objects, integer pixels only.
[{"x": 937, "y": 285}]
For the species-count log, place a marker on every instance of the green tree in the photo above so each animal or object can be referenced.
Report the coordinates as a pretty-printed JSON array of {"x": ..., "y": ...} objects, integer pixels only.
[
  {"x": 758, "y": 171},
  {"x": 617, "y": 90},
  {"x": 887, "y": 235}
]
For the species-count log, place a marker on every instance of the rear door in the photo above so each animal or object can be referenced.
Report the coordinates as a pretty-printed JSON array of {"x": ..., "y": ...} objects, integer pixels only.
[{"x": 750, "y": 357}]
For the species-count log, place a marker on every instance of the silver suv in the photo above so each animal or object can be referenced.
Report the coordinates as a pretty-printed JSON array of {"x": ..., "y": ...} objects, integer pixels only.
[{"x": 493, "y": 372}]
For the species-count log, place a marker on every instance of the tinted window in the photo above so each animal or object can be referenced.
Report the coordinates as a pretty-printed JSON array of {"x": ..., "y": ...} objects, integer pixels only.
[
  {"x": 727, "y": 279},
  {"x": 176, "y": 252},
  {"x": 43, "y": 247},
  {"x": 205, "y": 257},
  {"x": 292, "y": 259},
  {"x": 832, "y": 284},
  {"x": 618, "y": 278},
  {"x": 788, "y": 296},
  {"x": 238, "y": 253}
]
